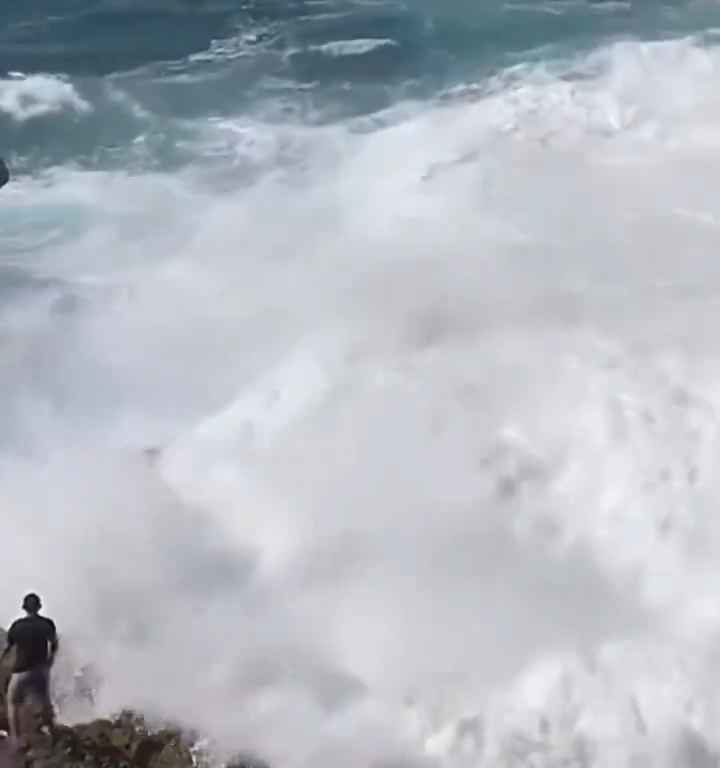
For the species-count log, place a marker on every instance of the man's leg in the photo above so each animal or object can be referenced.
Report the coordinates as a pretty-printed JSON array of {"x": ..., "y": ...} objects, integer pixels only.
[
  {"x": 12, "y": 719},
  {"x": 40, "y": 704},
  {"x": 14, "y": 704},
  {"x": 48, "y": 710}
]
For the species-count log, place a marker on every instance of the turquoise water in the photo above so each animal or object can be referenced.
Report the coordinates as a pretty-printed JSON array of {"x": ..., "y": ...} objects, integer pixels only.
[
  {"x": 359, "y": 374},
  {"x": 147, "y": 71}
]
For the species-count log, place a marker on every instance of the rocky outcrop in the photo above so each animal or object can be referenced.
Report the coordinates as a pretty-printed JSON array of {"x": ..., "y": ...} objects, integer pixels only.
[{"x": 123, "y": 741}]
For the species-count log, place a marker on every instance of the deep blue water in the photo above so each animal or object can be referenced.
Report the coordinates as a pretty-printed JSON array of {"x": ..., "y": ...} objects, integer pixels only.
[{"x": 148, "y": 70}]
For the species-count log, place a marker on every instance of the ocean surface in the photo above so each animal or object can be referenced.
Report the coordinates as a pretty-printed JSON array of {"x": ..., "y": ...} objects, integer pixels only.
[{"x": 360, "y": 371}]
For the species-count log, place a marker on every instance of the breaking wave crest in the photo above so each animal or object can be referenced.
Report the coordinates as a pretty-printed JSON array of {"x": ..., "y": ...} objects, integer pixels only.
[{"x": 390, "y": 439}]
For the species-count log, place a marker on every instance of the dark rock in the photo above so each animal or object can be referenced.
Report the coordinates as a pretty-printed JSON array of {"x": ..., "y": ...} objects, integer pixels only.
[
  {"x": 172, "y": 755},
  {"x": 123, "y": 741},
  {"x": 144, "y": 752},
  {"x": 246, "y": 761}
]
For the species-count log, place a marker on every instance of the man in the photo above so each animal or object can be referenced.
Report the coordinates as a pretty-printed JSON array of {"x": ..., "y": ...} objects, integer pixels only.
[
  {"x": 4, "y": 173},
  {"x": 35, "y": 642}
]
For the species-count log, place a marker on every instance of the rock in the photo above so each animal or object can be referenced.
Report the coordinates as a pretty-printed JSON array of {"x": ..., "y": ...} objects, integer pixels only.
[
  {"x": 172, "y": 755},
  {"x": 143, "y": 753},
  {"x": 246, "y": 761},
  {"x": 123, "y": 741}
]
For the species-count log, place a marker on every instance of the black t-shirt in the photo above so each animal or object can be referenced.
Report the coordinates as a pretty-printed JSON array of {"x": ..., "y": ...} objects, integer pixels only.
[{"x": 32, "y": 637}]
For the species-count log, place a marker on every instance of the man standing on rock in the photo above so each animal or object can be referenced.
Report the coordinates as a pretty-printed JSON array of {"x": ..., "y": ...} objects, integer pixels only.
[{"x": 34, "y": 639}]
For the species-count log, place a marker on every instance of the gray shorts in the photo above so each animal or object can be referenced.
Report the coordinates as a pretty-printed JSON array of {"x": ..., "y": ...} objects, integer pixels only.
[{"x": 33, "y": 684}]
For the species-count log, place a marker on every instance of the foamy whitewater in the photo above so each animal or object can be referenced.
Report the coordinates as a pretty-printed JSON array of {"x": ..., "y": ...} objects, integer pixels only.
[{"x": 360, "y": 372}]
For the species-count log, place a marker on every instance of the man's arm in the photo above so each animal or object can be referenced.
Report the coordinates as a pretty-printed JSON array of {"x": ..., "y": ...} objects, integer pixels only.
[
  {"x": 8, "y": 646},
  {"x": 54, "y": 644}
]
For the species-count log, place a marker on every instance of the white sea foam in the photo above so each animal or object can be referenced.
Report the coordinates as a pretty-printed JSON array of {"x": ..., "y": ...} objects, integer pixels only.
[
  {"x": 356, "y": 47},
  {"x": 27, "y": 97},
  {"x": 437, "y": 419}
]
